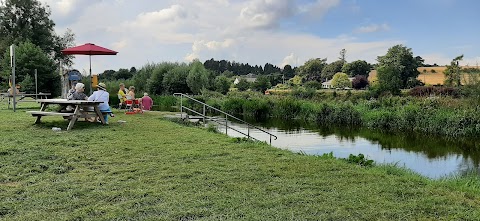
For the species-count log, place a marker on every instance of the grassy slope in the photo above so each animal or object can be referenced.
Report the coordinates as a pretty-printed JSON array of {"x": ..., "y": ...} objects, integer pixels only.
[
  {"x": 153, "y": 169},
  {"x": 427, "y": 77}
]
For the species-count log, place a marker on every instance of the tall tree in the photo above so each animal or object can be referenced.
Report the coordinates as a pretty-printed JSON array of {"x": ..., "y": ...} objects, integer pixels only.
[
  {"x": 312, "y": 69},
  {"x": 340, "y": 80},
  {"x": 452, "y": 73},
  {"x": 197, "y": 78},
  {"x": 28, "y": 58},
  {"x": 288, "y": 72},
  {"x": 343, "y": 55},
  {"x": 389, "y": 78},
  {"x": 400, "y": 59},
  {"x": 358, "y": 67},
  {"x": 331, "y": 69},
  {"x": 262, "y": 84},
  {"x": 28, "y": 20},
  {"x": 222, "y": 84}
]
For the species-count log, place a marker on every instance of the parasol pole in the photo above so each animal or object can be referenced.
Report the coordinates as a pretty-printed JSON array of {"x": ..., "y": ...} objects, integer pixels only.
[{"x": 90, "y": 56}]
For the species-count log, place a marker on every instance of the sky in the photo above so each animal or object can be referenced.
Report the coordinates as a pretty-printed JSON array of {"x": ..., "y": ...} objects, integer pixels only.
[{"x": 279, "y": 32}]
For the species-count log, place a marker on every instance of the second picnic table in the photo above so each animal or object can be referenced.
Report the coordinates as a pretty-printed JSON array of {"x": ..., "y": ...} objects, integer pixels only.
[{"x": 82, "y": 109}]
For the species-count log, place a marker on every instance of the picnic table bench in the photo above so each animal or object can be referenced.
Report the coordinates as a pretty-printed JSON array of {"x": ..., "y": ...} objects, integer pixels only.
[
  {"x": 23, "y": 96},
  {"x": 82, "y": 109}
]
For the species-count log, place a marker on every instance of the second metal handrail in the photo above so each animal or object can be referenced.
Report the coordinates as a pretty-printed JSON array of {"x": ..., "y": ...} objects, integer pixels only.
[{"x": 205, "y": 117}]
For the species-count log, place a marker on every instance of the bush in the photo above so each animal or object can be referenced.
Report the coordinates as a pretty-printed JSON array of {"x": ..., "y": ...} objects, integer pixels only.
[
  {"x": 174, "y": 81},
  {"x": 423, "y": 91},
  {"x": 262, "y": 83},
  {"x": 303, "y": 93},
  {"x": 222, "y": 84},
  {"x": 360, "y": 82},
  {"x": 313, "y": 85},
  {"x": 243, "y": 85}
]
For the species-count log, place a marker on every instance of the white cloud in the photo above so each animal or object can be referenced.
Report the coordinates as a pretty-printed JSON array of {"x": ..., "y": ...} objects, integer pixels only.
[
  {"x": 319, "y": 8},
  {"x": 200, "y": 46},
  {"x": 372, "y": 28},
  {"x": 266, "y": 13},
  {"x": 290, "y": 59},
  {"x": 153, "y": 19}
]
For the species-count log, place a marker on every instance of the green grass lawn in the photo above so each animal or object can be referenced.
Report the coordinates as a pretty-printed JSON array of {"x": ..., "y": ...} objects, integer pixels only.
[{"x": 152, "y": 169}]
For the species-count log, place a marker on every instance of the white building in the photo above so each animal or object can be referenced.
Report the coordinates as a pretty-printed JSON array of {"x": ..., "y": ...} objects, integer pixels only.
[{"x": 328, "y": 84}]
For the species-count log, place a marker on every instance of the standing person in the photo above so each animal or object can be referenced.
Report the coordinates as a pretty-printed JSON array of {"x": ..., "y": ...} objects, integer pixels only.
[
  {"x": 147, "y": 102},
  {"x": 102, "y": 95},
  {"x": 122, "y": 93}
]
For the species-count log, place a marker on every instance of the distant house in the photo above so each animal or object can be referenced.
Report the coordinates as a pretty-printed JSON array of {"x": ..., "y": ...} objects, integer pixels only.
[
  {"x": 328, "y": 84},
  {"x": 236, "y": 81},
  {"x": 251, "y": 77}
]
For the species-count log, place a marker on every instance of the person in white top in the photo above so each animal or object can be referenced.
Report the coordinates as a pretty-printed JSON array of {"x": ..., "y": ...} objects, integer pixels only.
[{"x": 102, "y": 95}]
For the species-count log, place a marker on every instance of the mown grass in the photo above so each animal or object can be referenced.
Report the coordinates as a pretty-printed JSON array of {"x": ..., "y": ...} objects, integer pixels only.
[{"x": 152, "y": 169}]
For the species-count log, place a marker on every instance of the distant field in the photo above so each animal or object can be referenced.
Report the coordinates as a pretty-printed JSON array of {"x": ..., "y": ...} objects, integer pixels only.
[{"x": 427, "y": 77}]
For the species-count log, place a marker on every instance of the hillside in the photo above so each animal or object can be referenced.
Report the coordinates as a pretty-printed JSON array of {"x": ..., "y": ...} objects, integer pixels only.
[{"x": 428, "y": 75}]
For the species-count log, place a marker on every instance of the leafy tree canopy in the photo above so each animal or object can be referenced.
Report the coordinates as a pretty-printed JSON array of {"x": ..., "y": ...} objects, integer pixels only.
[
  {"x": 340, "y": 80},
  {"x": 400, "y": 59},
  {"x": 358, "y": 67},
  {"x": 28, "y": 58},
  {"x": 312, "y": 69},
  {"x": 331, "y": 69},
  {"x": 197, "y": 78},
  {"x": 453, "y": 73},
  {"x": 28, "y": 20}
]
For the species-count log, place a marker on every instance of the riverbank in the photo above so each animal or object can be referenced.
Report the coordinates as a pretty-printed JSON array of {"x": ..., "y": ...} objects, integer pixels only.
[
  {"x": 150, "y": 168},
  {"x": 445, "y": 116}
]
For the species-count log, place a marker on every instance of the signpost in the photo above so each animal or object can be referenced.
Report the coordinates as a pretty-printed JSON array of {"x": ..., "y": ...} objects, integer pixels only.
[{"x": 13, "y": 88}]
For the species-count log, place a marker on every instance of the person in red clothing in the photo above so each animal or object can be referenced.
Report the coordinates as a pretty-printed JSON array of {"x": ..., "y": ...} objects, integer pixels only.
[{"x": 147, "y": 102}]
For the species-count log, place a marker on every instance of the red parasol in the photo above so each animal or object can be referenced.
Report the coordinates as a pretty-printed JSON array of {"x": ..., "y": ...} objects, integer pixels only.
[{"x": 89, "y": 49}]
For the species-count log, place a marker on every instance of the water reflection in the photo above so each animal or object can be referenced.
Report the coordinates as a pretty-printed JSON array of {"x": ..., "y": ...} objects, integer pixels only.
[{"x": 428, "y": 155}]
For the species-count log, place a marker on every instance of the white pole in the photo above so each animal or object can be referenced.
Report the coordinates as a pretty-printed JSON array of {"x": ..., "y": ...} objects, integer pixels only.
[
  {"x": 14, "y": 88},
  {"x": 36, "y": 85},
  {"x": 90, "y": 74}
]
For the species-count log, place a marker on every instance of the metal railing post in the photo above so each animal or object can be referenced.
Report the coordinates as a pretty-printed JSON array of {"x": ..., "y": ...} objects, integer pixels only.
[
  {"x": 181, "y": 106},
  {"x": 226, "y": 124},
  {"x": 204, "y": 123},
  {"x": 248, "y": 131}
]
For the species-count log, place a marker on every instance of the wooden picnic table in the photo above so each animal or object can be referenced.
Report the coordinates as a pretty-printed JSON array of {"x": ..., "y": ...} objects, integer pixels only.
[
  {"x": 23, "y": 96},
  {"x": 82, "y": 109}
]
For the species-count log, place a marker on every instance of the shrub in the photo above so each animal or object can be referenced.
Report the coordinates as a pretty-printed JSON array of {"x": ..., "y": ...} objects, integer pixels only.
[
  {"x": 359, "y": 82},
  {"x": 243, "y": 85},
  {"x": 222, "y": 84},
  {"x": 286, "y": 108},
  {"x": 422, "y": 91},
  {"x": 340, "y": 80},
  {"x": 305, "y": 93},
  {"x": 313, "y": 85}
]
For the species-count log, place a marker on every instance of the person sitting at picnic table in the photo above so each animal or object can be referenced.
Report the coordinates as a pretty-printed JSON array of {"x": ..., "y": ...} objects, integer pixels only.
[
  {"x": 147, "y": 102},
  {"x": 102, "y": 95},
  {"x": 72, "y": 90},
  {"x": 122, "y": 93},
  {"x": 79, "y": 93},
  {"x": 131, "y": 93}
]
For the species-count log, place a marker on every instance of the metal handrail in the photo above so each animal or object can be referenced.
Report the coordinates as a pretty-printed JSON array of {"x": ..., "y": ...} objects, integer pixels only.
[{"x": 226, "y": 117}]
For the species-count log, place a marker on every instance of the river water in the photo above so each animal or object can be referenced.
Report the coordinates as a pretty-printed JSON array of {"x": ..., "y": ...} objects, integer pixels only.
[{"x": 429, "y": 156}]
